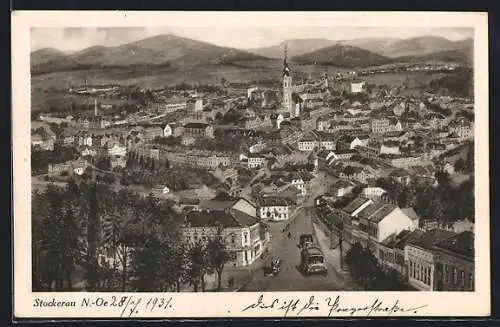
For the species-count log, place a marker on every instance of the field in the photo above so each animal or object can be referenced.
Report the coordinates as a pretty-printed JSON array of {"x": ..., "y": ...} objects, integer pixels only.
[
  {"x": 414, "y": 79},
  {"x": 44, "y": 100},
  {"x": 48, "y": 89},
  {"x": 159, "y": 77}
]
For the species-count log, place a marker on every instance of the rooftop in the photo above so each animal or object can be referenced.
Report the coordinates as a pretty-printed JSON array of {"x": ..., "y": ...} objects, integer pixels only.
[
  {"x": 213, "y": 205},
  {"x": 462, "y": 243},
  {"x": 355, "y": 204},
  {"x": 196, "y": 125},
  {"x": 273, "y": 201},
  {"x": 229, "y": 218},
  {"x": 377, "y": 211},
  {"x": 428, "y": 239}
]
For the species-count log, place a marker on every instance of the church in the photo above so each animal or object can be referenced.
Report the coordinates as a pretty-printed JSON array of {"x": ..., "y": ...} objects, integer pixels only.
[
  {"x": 296, "y": 98},
  {"x": 295, "y": 101},
  {"x": 292, "y": 102}
]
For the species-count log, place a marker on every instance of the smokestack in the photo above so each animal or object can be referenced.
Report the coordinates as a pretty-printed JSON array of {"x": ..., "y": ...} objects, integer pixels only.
[{"x": 95, "y": 107}]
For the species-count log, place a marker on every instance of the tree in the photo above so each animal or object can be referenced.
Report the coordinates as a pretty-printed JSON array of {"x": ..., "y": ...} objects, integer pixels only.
[
  {"x": 217, "y": 257},
  {"x": 58, "y": 243},
  {"x": 197, "y": 265},
  {"x": 93, "y": 223},
  {"x": 443, "y": 178},
  {"x": 122, "y": 237},
  {"x": 459, "y": 164},
  {"x": 147, "y": 261},
  {"x": 176, "y": 263}
]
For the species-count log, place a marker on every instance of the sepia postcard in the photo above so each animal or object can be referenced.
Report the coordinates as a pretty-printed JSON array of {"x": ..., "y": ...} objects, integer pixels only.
[{"x": 250, "y": 164}]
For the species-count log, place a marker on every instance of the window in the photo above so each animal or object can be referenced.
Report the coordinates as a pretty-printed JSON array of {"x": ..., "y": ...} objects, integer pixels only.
[
  {"x": 455, "y": 275},
  {"x": 446, "y": 273},
  {"x": 471, "y": 281},
  {"x": 233, "y": 239},
  {"x": 462, "y": 278}
]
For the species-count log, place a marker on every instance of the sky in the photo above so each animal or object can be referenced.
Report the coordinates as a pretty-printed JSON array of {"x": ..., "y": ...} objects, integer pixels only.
[{"x": 70, "y": 39}]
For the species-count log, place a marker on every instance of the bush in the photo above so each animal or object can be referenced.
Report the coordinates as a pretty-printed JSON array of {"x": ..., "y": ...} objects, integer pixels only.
[{"x": 366, "y": 271}]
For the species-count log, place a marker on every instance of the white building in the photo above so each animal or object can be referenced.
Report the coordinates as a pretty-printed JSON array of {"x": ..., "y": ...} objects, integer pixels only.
[
  {"x": 390, "y": 147},
  {"x": 357, "y": 87},
  {"x": 307, "y": 144},
  {"x": 167, "y": 131},
  {"x": 273, "y": 208},
  {"x": 117, "y": 151},
  {"x": 420, "y": 257},
  {"x": 198, "y": 105},
  {"x": 255, "y": 162},
  {"x": 236, "y": 222},
  {"x": 373, "y": 192},
  {"x": 381, "y": 220},
  {"x": 298, "y": 182}
]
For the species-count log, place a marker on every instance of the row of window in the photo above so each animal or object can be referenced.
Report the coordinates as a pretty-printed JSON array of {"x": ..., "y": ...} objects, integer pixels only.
[
  {"x": 458, "y": 277},
  {"x": 420, "y": 272}
]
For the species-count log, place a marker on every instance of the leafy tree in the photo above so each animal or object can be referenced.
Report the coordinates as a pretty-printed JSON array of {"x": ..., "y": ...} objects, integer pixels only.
[
  {"x": 58, "y": 243},
  {"x": 93, "y": 224},
  {"x": 217, "y": 257},
  {"x": 147, "y": 261},
  {"x": 197, "y": 265},
  {"x": 459, "y": 165}
]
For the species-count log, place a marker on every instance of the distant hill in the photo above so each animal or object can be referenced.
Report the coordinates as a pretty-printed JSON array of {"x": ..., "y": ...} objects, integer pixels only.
[
  {"x": 373, "y": 44},
  {"x": 45, "y": 55},
  {"x": 441, "y": 56},
  {"x": 465, "y": 46},
  {"x": 415, "y": 46},
  {"x": 295, "y": 47},
  {"x": 167, "y": 50},
  {"x": 342, "y": 56}
]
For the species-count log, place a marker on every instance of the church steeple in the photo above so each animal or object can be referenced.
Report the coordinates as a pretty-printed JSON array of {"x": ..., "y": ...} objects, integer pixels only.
[
  {"x": 286, "y": 69},
  {"x": 287, "y": 84}
]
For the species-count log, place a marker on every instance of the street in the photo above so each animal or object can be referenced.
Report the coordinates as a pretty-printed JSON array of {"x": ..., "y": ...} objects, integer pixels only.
[{"x": 290, "y": 278}]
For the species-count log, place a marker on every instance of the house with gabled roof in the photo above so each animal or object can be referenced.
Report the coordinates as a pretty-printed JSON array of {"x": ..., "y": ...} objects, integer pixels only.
[{"x": 234, "y": 223}]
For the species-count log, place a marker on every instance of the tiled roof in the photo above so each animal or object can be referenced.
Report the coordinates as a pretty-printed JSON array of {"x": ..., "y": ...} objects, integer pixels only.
[
  {"x": 243, "y": 219},
  {"x": 377, "y": 211},
  {"x": 398, "y": 241},
  {"x": 273, "y": 201},
  {"x": 196, "y": 125},
  {"x": 428, "y": 239},
  {"x": 230, "y": 218},
  {"x": 354, "y": 204},
  {"x": 216, "y": 205},
  {"x": 462, "y": 243}
]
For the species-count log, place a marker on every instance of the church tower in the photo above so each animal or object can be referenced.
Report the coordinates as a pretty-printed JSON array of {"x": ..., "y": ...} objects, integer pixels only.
[{"x": 287, "y": 85}]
